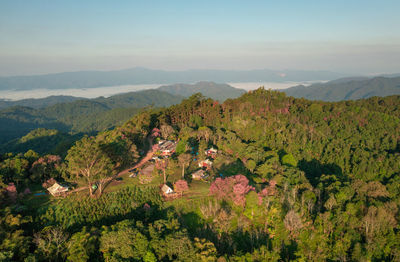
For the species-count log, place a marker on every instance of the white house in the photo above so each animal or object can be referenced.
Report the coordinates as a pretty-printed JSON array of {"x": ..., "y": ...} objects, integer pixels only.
[
  {"x": 57, "y": 189},
  {"x": 166, "y": 190}
]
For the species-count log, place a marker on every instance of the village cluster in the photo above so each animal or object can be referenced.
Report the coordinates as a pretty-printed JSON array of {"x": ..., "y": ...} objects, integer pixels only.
[
  {"x": 155, "y": 161},
  {"x": 165, "y": 149}
]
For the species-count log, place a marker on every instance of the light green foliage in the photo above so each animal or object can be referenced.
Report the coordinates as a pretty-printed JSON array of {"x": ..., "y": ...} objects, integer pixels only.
[
  {"x": 206, "y": 250},
  {"x": 122, "y": 241},
  {"x": 88, "y": 161},
  {"x": 149, "y": 257},
  {"x": 73, "y": 212},
  {"x": 253, "y": 209},
  {"x": 181, "y": 147},
  {"x": 289, "y": 160},
  {"x": 81, "y": 246},
  {"x": 251, "y": 164}
]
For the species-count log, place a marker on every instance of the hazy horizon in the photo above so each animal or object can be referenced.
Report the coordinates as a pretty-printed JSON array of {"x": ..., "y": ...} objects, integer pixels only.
[
  {"x": 42, "y": 37},
  {"x": 107, "y": 91}
]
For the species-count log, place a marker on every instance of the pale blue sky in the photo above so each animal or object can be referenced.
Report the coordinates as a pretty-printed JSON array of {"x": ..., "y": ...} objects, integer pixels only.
[{"x": 54, "y": 36}]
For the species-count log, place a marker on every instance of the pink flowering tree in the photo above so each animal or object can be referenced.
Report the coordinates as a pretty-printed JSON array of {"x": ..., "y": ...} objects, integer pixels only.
[
  {"x": 155, "y": 132},
  {"x": 270, "y": 190},
  {"x": 232, "y": 188},
  {"x": 181, "y": 186}
]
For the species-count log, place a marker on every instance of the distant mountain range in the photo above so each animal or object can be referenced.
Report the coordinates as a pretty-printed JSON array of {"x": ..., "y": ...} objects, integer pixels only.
[
  {"x": 75, "y": 115},
  {"x": 213, "y": 90},
  {"x": 91, "y": 79},
  {"x": 348, "y": 89}
]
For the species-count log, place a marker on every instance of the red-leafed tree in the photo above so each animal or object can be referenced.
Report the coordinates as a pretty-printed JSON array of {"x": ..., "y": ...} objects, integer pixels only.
[
  {"x": 181, "y": 186},
  {"x": 231, "y": 188}
]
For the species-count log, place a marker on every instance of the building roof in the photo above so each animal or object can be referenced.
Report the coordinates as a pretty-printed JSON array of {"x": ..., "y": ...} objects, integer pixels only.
[
  {"x": 148, "y": 170},
  {"x": 206, "y": 162},
  {"x": 212, "y": 150},
  {"x": 166, "y": 189},
  {"x": 167, "y": 145},
  {"x": 57, "y": 188},
  {"x": 198, "y": 173}
]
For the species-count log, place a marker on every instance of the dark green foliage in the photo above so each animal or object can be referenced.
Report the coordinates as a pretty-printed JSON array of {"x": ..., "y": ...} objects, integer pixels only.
[
  {"x": 43, "y": 141},
  {"x": 14, "y": 243}
]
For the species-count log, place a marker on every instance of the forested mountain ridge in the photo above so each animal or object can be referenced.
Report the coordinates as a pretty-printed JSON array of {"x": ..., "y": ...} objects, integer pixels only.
[
  {"x": 219, "y": 92},
  {"x": 293, "y": 179},
  {"x": 38, "y": 102},
  {"x": 80, "y": 116},
  {"x": 348, "y": 89}
]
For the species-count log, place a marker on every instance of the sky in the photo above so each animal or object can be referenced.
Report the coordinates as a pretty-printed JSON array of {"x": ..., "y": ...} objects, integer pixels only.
[{"x": 357, "y": 37}]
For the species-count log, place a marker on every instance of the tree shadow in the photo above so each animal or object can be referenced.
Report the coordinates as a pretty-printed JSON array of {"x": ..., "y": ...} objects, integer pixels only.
[
  {"x": 314, "y": 169},
  {"x": 234, "y": 168},
  {"x": 49, "y": 144}
]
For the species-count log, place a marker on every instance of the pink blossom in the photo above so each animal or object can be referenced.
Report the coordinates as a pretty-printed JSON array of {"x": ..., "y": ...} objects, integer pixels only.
[
  {"x": 181, "y": 186},
  {"x": 231, "y": 188}
]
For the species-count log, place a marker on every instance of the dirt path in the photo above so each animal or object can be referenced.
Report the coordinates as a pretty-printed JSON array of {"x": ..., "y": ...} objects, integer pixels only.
[{"x": 143, "y": 161}]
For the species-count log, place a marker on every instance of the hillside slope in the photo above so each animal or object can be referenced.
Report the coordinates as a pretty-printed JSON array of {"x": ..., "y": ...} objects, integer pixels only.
[
  {"x": 39, "y": 102},
  {"x": 348, "y": 89},
  {"x": 81, "y": 116}
]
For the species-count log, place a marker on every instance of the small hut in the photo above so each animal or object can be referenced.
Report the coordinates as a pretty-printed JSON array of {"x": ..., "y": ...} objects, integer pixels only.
[
  {"x": 205, "y": 163},
  {"x": 166, "y": 190},
  {"x": 146, "y": 174},
  {"x": 57, "y": 189},
  {"x": 167, "y": 148},
  {"x": 211, "y": 152},
  {"x": 198, "y": 175}
]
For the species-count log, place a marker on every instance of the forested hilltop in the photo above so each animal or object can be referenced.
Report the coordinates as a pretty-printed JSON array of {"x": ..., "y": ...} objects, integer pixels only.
[
  {"x": 348, "y": 89},
  {"x": 281, "y": 179},
  {"x": 219, "y": 92}
]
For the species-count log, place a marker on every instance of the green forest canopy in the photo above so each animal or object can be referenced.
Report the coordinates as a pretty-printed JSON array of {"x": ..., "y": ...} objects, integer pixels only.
[{"x": 293, "y": 180}]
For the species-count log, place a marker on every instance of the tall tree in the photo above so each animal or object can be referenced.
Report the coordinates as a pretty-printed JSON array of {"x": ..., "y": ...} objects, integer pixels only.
[
  {"x": 87, "y": 161},
  {"x": 166, "y": 131},
  {"x": 162, "y": 165},
  {"x": 204, "y": 132},
  {"x": 183, "y": 160}
]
